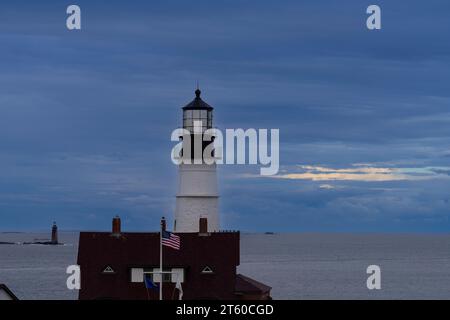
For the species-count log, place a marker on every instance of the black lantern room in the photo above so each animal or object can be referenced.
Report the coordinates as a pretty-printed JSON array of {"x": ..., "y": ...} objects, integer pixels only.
[{"x": 197, "y": 110}]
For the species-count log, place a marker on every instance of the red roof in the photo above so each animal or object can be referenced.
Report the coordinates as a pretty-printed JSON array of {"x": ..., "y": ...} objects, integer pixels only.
[{"x": 248, "y": 285}]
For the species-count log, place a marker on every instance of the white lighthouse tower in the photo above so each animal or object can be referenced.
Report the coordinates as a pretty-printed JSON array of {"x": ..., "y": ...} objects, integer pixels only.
[{"x": 197, "y": 195}]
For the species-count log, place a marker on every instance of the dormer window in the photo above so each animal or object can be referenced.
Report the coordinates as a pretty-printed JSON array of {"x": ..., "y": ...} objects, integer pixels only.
[
  {"x": 207, "y": 270},
  {"x": 108, "y": 270}
]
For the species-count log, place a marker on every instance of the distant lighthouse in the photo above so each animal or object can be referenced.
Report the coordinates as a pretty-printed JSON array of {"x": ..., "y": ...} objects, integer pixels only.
[
  {"x": 197, "y": 195},
  {"x": 54, "y": 234}
]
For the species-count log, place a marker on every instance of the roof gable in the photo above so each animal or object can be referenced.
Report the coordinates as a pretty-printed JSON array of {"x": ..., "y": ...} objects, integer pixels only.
[{"x": 7, "y": 293}]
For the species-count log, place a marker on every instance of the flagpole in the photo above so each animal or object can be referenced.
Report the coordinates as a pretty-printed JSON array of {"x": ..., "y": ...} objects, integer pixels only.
[{"x": 160, "y": 262}]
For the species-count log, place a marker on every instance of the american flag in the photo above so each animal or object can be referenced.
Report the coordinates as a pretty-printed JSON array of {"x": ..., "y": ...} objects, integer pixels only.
[{"x": 171, "y": 240}]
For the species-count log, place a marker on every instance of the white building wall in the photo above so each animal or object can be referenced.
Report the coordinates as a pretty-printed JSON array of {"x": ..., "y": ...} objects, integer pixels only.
[
  {"x": 197, "y": 180},
  {"x": 189, "y": 210},
  {"x": 197, "y": 198}
]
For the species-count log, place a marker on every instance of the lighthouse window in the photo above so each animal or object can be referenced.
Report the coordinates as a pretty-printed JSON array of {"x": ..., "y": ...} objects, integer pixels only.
[
  {"x": 187, "y": 123},
  {"x": 190, "y": 116},
  {"x": 196, "y": 114},
  {"x": 209, "y": 119},
  {"x": 187, "y": 119}
]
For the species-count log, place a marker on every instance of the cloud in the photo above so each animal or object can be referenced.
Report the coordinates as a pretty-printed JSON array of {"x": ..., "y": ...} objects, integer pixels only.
[
  {"x": 348, "y": 170},
  {"x": 441, "y": 171},
  {"x": 68, "y": 150},
  {"x": 320, "y": 173},
  {"x": 326, "y": 186}
]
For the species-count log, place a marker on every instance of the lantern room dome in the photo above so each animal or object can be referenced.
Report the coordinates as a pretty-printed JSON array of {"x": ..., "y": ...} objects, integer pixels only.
[{"x": 197, "y": 103}]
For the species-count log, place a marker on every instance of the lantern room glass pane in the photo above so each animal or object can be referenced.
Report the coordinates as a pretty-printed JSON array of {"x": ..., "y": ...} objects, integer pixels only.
[
  {"x": 196, "y": 114},
  {"x": 187, "y": 123},
  {"x": 209, "y": 119},
  {"x": 188, "y": 114}
]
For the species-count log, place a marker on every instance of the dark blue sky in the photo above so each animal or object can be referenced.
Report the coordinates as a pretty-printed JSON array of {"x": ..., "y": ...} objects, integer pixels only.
[{"x": 364, "y": 116}]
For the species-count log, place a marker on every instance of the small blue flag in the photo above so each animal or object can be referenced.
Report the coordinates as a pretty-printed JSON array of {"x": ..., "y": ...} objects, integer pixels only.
[{"x": 149, "y": 284}]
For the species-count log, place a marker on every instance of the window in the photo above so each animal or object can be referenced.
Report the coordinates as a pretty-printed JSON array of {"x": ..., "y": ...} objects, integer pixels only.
[
  {"x": 137, "y": 275},
  {"x": 154, "y": 276},
  {"x": 196, "y": 114},
  {"x": 207, "y": 270},
  {"x": 209, "y": 119},
  {"x": 187, "y": 123},
  {"x": 189, "y": 116},
  {"x": 108, "y": 270}
]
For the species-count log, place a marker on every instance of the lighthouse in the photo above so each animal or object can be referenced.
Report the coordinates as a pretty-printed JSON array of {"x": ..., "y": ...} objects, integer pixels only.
[
  {"x": 54, "y": 234},
  {"x": 197, "y": 196},
  {"x": 204, "y": 265}
]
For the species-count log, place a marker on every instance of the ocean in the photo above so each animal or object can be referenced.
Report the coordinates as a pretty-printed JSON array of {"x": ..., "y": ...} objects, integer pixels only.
[{"x": 296, "y": 266}]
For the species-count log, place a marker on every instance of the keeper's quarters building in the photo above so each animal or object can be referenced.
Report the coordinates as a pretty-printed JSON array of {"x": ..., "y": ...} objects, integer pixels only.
[{"x": 114, "y": 264}]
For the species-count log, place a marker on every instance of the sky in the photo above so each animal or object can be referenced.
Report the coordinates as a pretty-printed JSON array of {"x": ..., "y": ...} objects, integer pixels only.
[{"x": 364, "y": 116}]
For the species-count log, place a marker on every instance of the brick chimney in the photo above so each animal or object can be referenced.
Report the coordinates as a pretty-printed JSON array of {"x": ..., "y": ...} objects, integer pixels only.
[
  {"x": 163, "y": 224},
  {"x": 116, "y": 225},
  {"x": 203, "y": 226}
]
